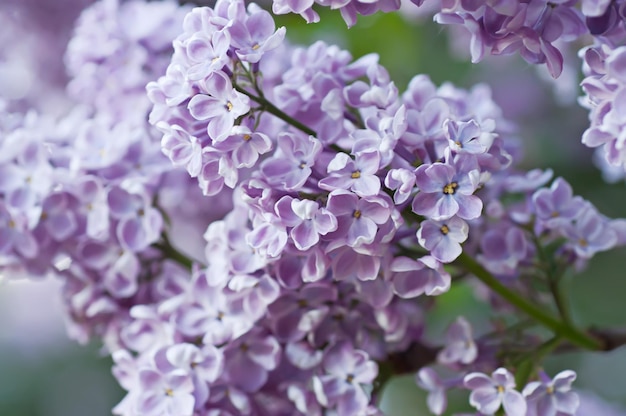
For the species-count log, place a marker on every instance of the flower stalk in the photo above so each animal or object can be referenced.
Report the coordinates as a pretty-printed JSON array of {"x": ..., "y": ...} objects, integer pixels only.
[{"x": 559, "y": 328}]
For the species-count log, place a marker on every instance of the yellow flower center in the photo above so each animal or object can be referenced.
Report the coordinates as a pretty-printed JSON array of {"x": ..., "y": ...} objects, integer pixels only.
[
  {"x": 356, "y": 214},
  {"x": 356, "y": 174},
  {"x": 444, "y": 229},
  {"x": 450, "y": 188}
]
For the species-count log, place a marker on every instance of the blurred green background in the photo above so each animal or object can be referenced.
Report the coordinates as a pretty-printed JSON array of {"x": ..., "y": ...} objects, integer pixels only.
[{"x": 43, "y": 374}]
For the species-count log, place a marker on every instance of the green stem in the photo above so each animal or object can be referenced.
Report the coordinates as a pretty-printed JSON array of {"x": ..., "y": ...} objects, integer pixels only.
[
  {"x": 171, "y": 253},
  {"x": 554, "y": 277},
  {"x": 272, "y": 109},
  {"x": 528, "y": 365},
  {"x": 513, "y": 329},
  {"x": 574, "y": 335},
  {"x": 559, "y": 300}
]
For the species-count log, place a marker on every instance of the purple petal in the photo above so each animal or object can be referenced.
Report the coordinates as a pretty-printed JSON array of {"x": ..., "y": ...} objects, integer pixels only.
[
  {"x": 474, "y": 381},
  {"x": 514, "y": 403},
  {"x": 487, "y": 401}
]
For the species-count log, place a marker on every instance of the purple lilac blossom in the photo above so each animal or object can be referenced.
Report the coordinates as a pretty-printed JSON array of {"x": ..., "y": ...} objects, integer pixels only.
[
  {"x": 604, "y": 89},
  {"x": 460, "y": 346},
  {"x": 530, "y": 27},
  {"x": 552, "y": 396},
  {"x": 413, "y": 278},
  {"x": 446, "y": 190},
  {"x": 292, "y": 165},
  {"x": 503, "y": 249},
  {"x": 429, "y": 380},
  {"x": 218, "y": 104},
  {"x": 95, "y": 216},
  {"x": 197, "y": 106},
  {"x": 443, "y": 238},
  {"x": 402, "y": 181},
  {"x": 308, "y": 220},
  {"x": 489, "y": 393},
  {"x": 346, "y": 369},
  {"x": 133, "y": 49},
  {"x": 557, "y": 204},
  {"x": 590, "y": 233},
  {"x": 357, "y": 218},
  {"x": 349, "y": 9},
  {"x": 358, "y": 176}
]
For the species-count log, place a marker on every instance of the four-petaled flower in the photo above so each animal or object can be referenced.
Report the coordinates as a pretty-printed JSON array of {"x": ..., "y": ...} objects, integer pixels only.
[{"x": 489, "y": 393}]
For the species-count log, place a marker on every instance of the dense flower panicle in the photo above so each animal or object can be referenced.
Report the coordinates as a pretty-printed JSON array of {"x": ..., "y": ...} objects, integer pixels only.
[
  {"x": 517, "y": 202},
  {"x": 543, "y": 397},
  {"x": 349, "y": 9},
  {"x": 530, "y": 27},
  {"x": 79, "y": 193},
  {"x": 27, "y": 180},
  {"x": 196, "y": 104},
  {"x": 349, "y": 199},
  {"x": 603, "y": 18},
  {"x": 604, "y": 86},
  {"x": 133, "y": 49},
  {"x": 312, "y": 246}
]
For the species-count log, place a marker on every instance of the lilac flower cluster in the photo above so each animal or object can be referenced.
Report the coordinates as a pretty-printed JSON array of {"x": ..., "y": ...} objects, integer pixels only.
[
  {"x": 196, "y": 105},
  {"x": 322, "y": 154},
  {"x": 134, "y": 48},
  {"x": 542, "y": 32},
  {"x": 349, "y": 9},
  {"x": 537, "y": 29},
  {"x": 79, "y": 195},
  {"x": 529, "y": 27},
  {"x": 491, "y": 393},
  {"x": 541, "y": 224},
  {"x": 352, "y": 203},
  {"x": 604, "y": 86}
]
